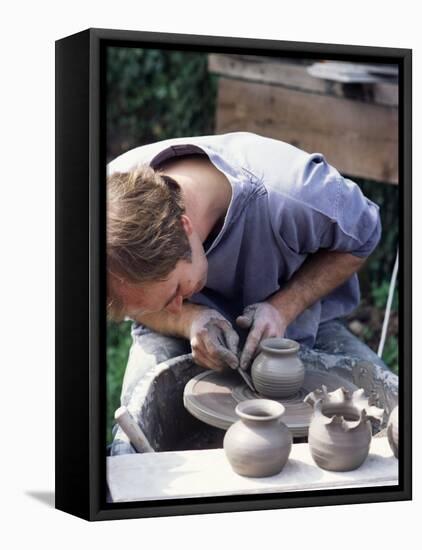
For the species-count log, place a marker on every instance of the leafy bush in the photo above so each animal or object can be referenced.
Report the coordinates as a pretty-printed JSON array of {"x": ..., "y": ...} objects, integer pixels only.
[
  {"x": 381, "y": 262},
  {"x": 380, "y": 295},
  {"x": 157, "y": 94},
  {"x": 118, "y": 344},
  {"x": 376, "y": 275}
]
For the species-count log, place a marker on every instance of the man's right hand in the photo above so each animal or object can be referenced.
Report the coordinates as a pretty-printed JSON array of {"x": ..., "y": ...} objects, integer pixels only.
[{"x": 213, "y": 340}]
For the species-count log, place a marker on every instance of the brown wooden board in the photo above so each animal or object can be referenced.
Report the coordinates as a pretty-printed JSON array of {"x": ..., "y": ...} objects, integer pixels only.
[
  {"x": 359, "y": 139},
  {"x": 294, "y": 74},
  {"x": 265, "y": 70}
]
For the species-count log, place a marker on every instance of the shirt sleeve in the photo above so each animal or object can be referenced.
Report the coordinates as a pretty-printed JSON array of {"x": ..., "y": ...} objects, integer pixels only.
[{"x": 325, "y": 210}]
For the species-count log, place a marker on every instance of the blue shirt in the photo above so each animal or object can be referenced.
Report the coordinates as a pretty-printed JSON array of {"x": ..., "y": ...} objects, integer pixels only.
[{"x": 286, "y": 204}]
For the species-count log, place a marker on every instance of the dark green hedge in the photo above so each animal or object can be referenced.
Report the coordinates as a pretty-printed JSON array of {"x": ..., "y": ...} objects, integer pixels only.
[{"x": 157, "y": 94}]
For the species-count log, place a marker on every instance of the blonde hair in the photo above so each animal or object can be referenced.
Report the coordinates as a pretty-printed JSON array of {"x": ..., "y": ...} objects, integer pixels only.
[{"x": 145, "y": 235}]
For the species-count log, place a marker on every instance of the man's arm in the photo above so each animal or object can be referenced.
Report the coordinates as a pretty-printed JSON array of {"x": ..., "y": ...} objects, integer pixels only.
[
  {"x": 321, "y": 273},
  {"x": 325, "y": 217},
  {"x": 172, "y": 324}
]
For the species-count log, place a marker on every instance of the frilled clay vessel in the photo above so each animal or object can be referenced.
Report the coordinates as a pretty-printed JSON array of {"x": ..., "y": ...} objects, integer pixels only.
[
  {"x": 340, "y": 432},
  {"x": 393, "y": 431},
  {"x": 277, "y": 371},
  {"x": 258, "y": 444}
]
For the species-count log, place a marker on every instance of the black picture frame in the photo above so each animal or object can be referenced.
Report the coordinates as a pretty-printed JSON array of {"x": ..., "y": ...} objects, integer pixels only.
[{"x": 80, "y": 274}]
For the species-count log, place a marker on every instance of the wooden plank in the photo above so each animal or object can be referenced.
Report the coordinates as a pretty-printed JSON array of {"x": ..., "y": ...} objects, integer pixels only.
[
  {"x": 187, "y": 474},
  {"x": 353, "y": 72},
  {"x": 386, "y": 94},
  {"x": 265, "y": 70},
  {"x": 359, "y": 139},
  {"x": 295, "y": 75}
]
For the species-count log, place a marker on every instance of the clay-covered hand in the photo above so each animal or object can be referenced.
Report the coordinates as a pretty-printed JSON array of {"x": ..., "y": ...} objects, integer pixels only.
[
  {"x": 214, "y": 342},
  {"x": 263, "y": 321}
]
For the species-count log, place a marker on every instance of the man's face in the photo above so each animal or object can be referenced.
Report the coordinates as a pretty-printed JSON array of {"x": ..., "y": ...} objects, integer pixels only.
[{"x": 186, "y": 279}]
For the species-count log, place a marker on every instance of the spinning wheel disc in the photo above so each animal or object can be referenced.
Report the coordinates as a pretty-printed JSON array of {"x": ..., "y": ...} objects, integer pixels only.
[{"x": 212, "y": 397}]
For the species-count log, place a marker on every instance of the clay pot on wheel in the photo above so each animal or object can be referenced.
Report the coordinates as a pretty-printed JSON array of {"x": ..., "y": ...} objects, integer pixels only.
[
  {"x": 258, "y": 444},
  {"x": 340, "y": 432},
  {"x": 393, "y": 431},
  {"x": 277, "y": 371}
]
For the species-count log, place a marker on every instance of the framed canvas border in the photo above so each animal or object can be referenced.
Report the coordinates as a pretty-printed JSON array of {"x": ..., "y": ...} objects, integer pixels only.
[{"x": 81, "y": 276}]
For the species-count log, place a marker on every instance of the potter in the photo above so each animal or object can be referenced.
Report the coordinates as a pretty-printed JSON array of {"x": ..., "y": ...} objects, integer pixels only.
[
  {"x": 258, "y": 444},
  {"x": 210, "y": 238}
]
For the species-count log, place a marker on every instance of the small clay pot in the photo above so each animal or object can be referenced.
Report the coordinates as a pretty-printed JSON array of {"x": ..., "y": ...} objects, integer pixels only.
[
  {"x": 258, "y": 444},
  {"x": 340, "y": 432},
  {"x": 277, "y": 371},
  {"x": 393, "y": 431}
]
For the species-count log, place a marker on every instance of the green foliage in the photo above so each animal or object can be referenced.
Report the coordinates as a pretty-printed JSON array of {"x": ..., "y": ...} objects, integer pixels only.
[
  {"x": 118, "y": 344},
  {"x": 157, "y": 94},
  {"x": 381, "y": 262},
  {"x": 368, "y": 333},
  {"x": 376, "y": 274},
  {"x": 379, "y": 295},
  {"x": 391, "y": 351}
]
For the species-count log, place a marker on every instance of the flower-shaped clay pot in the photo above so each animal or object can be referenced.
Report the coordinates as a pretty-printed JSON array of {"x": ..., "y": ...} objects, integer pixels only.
[
  {"x": 340, "y": 432},
  {"x": 258, "y": 444},
  {"x": 277, "y": 371},
  {"x": 393, "y": 431}
]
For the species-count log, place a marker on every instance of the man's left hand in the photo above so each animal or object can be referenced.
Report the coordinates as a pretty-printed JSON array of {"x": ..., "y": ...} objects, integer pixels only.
[{"x": 263, "y": 321}]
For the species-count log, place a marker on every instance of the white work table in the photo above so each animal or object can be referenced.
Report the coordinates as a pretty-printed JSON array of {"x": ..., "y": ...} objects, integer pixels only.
[{"x": 189, "y": 474}]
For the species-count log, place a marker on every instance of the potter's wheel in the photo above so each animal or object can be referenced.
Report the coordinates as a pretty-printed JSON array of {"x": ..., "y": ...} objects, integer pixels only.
[{"x": 212, "y": 397}]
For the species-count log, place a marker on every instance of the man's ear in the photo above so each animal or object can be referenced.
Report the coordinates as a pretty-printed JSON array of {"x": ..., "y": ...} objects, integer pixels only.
[{"x": 187, "y": 224}]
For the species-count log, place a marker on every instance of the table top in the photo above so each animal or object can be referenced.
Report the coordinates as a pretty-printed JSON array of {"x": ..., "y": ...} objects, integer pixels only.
[{"x": 190, "y": 474}]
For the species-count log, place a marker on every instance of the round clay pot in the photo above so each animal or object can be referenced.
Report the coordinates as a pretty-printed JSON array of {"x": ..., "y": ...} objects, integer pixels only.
[
  {"x": 340, "y": 432},
  {"x": 393, "y": 431},
  {"x": 258, "y": 444},
  {"x": 277, "y": 371}
]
